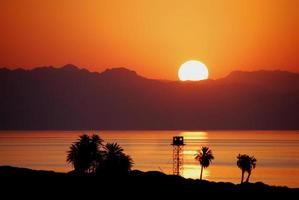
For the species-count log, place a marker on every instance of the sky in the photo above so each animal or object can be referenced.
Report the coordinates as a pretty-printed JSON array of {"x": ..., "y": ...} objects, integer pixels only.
[{"x": 152, "y": 37}]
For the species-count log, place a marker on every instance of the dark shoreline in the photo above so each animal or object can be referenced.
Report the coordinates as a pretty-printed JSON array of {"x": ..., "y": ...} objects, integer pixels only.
[{"x": 151, "y": 184}]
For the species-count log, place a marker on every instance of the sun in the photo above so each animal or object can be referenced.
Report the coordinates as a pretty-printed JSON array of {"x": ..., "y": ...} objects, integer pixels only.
[{"x": 193, "y": 70}]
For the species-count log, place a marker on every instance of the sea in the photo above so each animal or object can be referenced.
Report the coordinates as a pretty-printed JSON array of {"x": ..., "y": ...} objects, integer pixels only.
[{"x": 277, "y": 152}]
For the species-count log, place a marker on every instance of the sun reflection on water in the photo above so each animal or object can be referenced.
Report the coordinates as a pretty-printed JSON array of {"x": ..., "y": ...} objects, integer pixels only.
[
  {"x": 194, "y": 135},
  {"x": 193, "y": 171},
  {"x": 191, "y": 168}
]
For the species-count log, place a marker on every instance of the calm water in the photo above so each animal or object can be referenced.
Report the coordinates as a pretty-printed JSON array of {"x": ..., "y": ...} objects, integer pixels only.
[{"x": 277, "y": 152}]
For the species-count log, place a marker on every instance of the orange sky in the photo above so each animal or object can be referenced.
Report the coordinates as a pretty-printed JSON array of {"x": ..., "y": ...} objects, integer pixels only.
[{"x": 152, "y": 37}]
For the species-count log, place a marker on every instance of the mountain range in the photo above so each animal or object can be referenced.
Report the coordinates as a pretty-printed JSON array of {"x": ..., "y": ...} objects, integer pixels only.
[{"x": 70, "y": 98}]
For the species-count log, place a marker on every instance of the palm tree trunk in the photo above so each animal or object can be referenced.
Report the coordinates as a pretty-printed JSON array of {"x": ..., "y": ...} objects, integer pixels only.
[
  {"x": 242, "y": 176},
  {"x": 201, "y": 172},
  {"x": 247, "y": 179}
]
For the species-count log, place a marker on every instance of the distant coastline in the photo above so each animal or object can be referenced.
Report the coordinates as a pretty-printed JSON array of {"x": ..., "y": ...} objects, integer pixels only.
[{"x": 70, "y": 98}]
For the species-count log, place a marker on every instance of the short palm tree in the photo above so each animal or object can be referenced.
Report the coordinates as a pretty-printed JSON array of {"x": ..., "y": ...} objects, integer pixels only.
[
  {"x": 85, "y": 153},
  {"x": 246, "y": 164},
  {"x": 205, "y": 157},
  {"x": 116, "y": 161},
  {"x": 113, "y": 149}
]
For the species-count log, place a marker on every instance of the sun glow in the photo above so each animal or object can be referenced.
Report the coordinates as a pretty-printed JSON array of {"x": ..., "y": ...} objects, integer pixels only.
[
  {"x": 193, "y": 71},
  {"x": 193, "y": 171}
]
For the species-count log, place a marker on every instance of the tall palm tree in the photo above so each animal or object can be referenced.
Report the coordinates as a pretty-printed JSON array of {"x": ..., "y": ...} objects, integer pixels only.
[
  {"x": 246, "y": 164},
  {"x": 115, "y": 160},
  {"x": 205, "y": 157},
  {"x": 85, "y": 153},
  {"x": 96, "y": 144}
]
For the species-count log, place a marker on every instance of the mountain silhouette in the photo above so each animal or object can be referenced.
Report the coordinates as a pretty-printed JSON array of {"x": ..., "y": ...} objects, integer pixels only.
[{"x": 69, "y": 98}]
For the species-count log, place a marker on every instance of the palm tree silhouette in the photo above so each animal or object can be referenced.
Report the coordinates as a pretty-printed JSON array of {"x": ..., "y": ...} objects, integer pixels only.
[
  {"x": 246, "y": 164},
  {"x": 113, "y": 149},
  {"x": 85, "y": 153},
  {"x": 116, "y": 161},
  {"x": 205, "y": 157},
  {"x": 96, "y": 144},
  {"x": 89, "y": 155}
]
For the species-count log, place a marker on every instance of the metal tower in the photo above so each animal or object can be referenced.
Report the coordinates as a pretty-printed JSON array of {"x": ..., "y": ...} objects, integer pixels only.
[{"x": 178, "y": 158}]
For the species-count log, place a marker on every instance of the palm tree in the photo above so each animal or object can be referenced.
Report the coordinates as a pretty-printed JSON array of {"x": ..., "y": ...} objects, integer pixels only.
[
  {"x": 113, "y": 149},
  {"x": 205, "y": 157},
  {"x": 85, "y": 153},
  {"x": 115, "y": 160},
  {"x": 246, "y": 164},
  {"x": 96, "y": 154}
]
